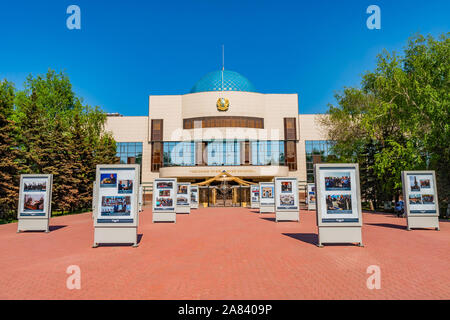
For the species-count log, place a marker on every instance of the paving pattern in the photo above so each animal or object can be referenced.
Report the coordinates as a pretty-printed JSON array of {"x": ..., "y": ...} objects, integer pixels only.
[{"x": 225, "y": 253}]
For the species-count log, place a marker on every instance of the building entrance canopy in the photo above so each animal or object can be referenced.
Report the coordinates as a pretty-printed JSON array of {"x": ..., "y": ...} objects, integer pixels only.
[{"x": 225, "y": 177}]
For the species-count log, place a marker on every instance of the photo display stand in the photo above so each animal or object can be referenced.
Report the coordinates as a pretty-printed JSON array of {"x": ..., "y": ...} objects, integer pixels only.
[
  {"x": 421, "y": 199},
  {"x": 116, "y": 216},
  {"x": 35, "y": 202},
  {"x": 311, "y": 196},
  {"x": 286, "y": 199},
  {"x": 254, "y": 196},
  {"x": 164, "y": 200},
  {"x": 94, "y": 201},
  {"x": 141, "y": 197},
  {"x": 183, "y": 197},
  {"x": 338, "y": 203},
  {"x": 266, "y": 197},
  {"x": 194, "y": 197}
]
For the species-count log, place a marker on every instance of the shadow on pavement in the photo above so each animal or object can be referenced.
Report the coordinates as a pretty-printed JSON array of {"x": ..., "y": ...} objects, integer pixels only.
[
  {"x": 310, "y": 238},
  {"x": 54, "y": 228},
  {"x": 387, "y": 225},
  {"x": 269, "y": 219}
]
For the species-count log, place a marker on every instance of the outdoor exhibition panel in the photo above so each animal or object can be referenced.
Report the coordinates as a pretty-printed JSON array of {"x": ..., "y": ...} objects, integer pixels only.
[
  {"x": 94, "y": 201},
  {"x": 141, "y": 197},
  {"x": 311, "y": 197},
  {"x": 338, "y": 203},
  {"x": 183, "y": 197},
  {"x": 35, "y": 202},
  {"x": 254, "y": 196},
  {"x": 267, "y": 197},
  {"x": 194, "y": 197},
  {"x": 421, "y": 199},
  {"x": 164, "y": 200},
  {"x": 286, "y": 199},
  {"x": 117, "y": 204}
]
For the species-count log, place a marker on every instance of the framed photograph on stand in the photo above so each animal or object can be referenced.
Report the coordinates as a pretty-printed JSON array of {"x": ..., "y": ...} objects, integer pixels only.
[
  {"x": 267, "y": 197},
  {"x": 286, "y": 199},
  {"x": 116, "y": 215},
  {"x": 421, "y": 199},
  {"x": 35, "y": 200},
  {"x": 164, "y": 200},
  {"x": 338, "y": 203}
]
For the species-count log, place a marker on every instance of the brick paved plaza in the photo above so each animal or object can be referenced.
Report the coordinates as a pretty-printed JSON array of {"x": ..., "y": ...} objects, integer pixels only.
[{"x": 225, "y": 253}]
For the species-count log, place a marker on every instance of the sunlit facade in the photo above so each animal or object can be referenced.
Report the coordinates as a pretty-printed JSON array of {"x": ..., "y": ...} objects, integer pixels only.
[{"x": 223, "y": 123}]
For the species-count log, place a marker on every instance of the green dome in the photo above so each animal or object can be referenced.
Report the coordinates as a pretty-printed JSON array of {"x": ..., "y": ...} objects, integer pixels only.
[{"x": 232, "y": 81}]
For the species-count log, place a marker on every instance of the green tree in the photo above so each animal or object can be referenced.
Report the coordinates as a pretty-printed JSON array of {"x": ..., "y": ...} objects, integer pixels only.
[
  {"x": 58, "y": 134},
  {"x": 61, "y": 162},
  {"x": 398, "y": 120},
  {"x": 9, "y": 169}
]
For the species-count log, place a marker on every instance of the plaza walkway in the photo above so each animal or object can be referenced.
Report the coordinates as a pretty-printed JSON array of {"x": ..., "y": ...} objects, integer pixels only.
[{"x": 225, "y": 253}]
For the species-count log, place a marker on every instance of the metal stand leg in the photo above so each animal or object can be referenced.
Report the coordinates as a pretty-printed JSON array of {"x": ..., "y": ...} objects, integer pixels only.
[
  {"x": 95, "y": 245},
  {"x": 361, "y": 245}
]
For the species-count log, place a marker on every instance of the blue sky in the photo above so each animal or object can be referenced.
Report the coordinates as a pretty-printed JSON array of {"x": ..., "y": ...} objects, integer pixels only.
[{"x": 128, "y": 50}]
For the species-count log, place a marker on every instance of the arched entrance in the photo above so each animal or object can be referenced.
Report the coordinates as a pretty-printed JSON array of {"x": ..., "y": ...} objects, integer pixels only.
[{"x": 224, "y": 190}]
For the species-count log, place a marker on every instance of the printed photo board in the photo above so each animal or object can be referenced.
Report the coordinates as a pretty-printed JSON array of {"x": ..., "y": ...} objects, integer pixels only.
[
  {"x": 194, "y": 197},
  {"x": 164, "y": 199},
  {"x": 338, "y": 203},
  {"x": 117, "y": 204},
  {"x": 35, "y": 197},
  {"x": 311, "y": 196},
  {"x": 183, "y": 197},
  {"x": 421, "y": 199},
  {"x": 141, "y": 198},
  {"x": 267, "y": 197},
  {"x": 286, "y": 199},
  {"x": 254, "y": 196}
]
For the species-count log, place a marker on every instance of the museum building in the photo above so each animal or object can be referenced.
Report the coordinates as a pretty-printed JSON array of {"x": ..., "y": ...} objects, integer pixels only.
[{"x": 222, "y": 125}]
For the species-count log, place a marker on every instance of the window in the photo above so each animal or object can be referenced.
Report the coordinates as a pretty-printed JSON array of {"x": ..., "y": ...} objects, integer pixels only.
[
  {"x": 129, "y": 152},
  {"x": 267, "y": 153},
  {"x": 157, "y": 130},
  {"x": 179, "y": 154},
  {"x": 157, "y": 158},
  {"x": 291, "y": 155},
  {"x": 317, "y": 151},
  {"x": 217, "y": 122},
  {"x": 220, "y": 153},
  {"x": 290, "y": 129}
]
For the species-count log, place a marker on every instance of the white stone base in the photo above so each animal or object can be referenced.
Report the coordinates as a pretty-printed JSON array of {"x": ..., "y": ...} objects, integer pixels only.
[
  {"x": 164, "y": 217},
  {"x": 340, "y": 235},
  {"x": 422, "y": 222},
  {"x": 287, "y": 216},
  {"x": 183, "y": 209},
  {"x": 33, "y": 225},
  {"x": 115, "y": 235}
]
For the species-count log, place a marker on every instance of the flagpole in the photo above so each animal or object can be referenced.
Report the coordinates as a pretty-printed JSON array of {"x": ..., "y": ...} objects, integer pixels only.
[{"x": 223, "y": 63}]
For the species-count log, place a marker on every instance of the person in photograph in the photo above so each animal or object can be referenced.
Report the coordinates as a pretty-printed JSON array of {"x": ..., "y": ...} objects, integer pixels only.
[
  {"x": 427, "y": 199},
  {"x": 339, "y": 203},
  {"x": 108, "y": 180},
  {"x": 33, "y": 203},
  {"x": 182, "y": 189},
  {"x": 338, "y": 181},
  {"x": 164, "y": 185},
  {"x": 286, "y": 186},
  {"x": 125, "y": 186},
  {"x": 116, "y": 205},
  {"x": 34, "y": 186},
  {"x": 425, "y": 183},
  {"x": 415, "y": 199}
]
